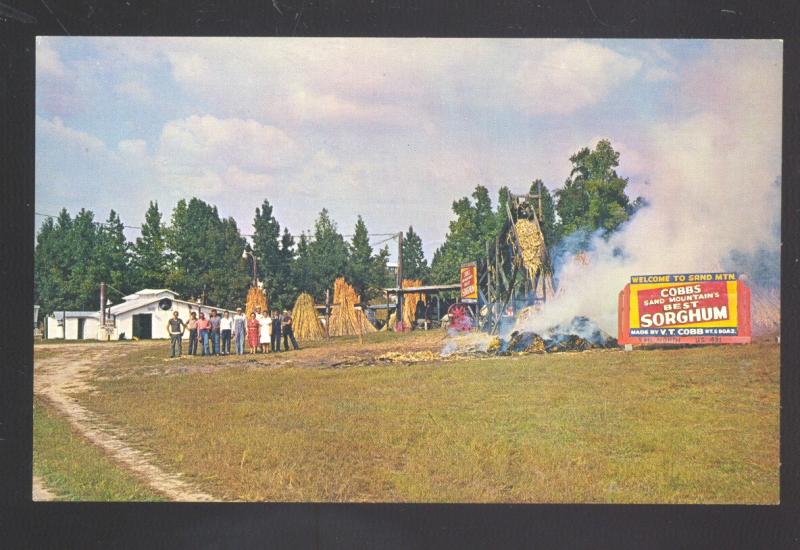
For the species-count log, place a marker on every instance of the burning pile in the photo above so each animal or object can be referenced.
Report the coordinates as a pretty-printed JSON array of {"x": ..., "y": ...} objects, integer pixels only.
[
  {"x": 345, "y": 318},
  {"x": 256, "y": 297},
  {"x": 580, "y": 334},
  {"x": 305, "y": 322}
]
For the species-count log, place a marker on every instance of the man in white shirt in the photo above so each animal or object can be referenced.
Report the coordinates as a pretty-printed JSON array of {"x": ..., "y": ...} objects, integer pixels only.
[{"x": 225, "y": 328}]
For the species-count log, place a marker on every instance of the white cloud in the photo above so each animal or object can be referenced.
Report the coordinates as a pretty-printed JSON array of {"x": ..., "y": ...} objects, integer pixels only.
[
  {"x": 48, "y": 61},
  {"x": 659, "y": 74},
  {"x": 222, "y": 142},
  {"x": 136, "y": 148},
  {"x": 135, "y": 90},
  {"x": 83, "y": 143},
  {"x": 219, "y": 155},
  {"x": 570, "y": 76}
]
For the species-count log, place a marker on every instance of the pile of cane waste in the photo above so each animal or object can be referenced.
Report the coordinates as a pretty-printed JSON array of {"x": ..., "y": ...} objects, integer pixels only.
[
  {"x": 580, "y": 334},
  {"x": 345, "y": 319},
  {"x": 256, "y": 297},
  {"x": 409, "y": 357},
  {"x": 471, "y": 343},
  {"x": 305, "y": 321}
]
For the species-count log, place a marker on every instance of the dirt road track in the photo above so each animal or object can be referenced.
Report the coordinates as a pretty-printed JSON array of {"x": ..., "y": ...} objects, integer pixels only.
[
  {"x": 40, "y": 492},
  {"x": 57, "y": 376}
]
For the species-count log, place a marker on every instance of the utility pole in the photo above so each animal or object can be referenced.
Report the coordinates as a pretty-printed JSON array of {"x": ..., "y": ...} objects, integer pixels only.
[
  {"x": 102, "y": 304},
  {"x": 399, "y": 309},
  {"x": 327, "y": 313},
  {"x": 539, "y": 195}
]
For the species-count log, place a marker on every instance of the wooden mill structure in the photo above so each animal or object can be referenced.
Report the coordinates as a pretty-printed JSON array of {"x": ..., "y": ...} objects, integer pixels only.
[{"x": 506, "y": 278}]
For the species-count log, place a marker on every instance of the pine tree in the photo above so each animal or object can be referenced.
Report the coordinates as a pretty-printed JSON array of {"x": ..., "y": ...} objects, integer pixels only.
[
  {"x": 81, "y": 288},
  {"x": 111, "y": 261},
  {"x": 301, "y": 270},
  {"x": 227, "y": 276},
  {"x": 266, "y": 247},
  {"x": 52, "y": 263},
  {"x": 359, "y": 268},
  {"x": 327, "y": 253},
  {"x": 150, "y": 259},
  {"x": 286, "y": 292},
  {"x": 415, "y": 266}
]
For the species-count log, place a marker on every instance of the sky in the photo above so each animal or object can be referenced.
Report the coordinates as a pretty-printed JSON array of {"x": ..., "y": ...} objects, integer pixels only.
[{"x": 397, "y": 129}]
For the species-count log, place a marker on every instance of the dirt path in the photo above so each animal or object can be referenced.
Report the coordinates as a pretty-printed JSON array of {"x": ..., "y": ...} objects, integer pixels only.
[
  {"x": 66, "y": 369},
  {"x": 40, "y": 492}
]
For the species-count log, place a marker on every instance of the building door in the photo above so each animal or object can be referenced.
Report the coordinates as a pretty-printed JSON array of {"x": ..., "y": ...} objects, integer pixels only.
[
  {"x": 143, "y": 326},
  {"x": 81, "y": 325}
]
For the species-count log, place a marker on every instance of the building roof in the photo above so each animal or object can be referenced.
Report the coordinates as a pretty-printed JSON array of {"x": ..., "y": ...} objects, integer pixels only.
[
  {"x": 428, "y": 288},
  {"x": 76, "y": 314},
  {"x": 130, "y": 305},
  {"x": 149, "y": 292}
]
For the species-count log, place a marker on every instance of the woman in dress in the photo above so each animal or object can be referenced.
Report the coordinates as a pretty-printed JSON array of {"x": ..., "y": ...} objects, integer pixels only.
[
  {"x": 266, "y": 332},
  {"x": 253, "y": 332}
]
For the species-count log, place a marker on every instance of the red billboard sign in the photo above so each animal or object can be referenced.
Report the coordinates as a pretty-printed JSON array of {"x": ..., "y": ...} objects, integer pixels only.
[
  {"x": 694, "y": 308},
  {"x": 469, "y": 282}
]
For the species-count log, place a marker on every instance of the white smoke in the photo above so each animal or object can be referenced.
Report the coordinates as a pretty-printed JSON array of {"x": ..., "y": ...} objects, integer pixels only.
[{"x": 711, "y": 191}]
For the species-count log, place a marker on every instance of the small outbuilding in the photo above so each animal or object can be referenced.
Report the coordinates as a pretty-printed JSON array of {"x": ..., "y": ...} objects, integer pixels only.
[
  {"x": 72, "y": 325},
  {"x": 142, "y": 315}
]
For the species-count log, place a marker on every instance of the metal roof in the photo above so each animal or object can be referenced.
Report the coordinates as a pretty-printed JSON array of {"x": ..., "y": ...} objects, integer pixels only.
[
  {"x": 76, "y": 314},
  {"x": 428, "y": 288},
  {"x": 130, "y": 305},
  {"x": 148, "y": 292}
]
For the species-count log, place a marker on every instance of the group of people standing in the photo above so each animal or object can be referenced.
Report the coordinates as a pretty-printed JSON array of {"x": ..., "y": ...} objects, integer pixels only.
[{"x": 213, "y": 335}]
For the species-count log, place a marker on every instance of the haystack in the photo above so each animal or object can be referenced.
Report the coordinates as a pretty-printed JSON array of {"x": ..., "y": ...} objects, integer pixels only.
[
  {"x": 305, "y": 321},
  {"x": 345, "y": 319},
  {"x": 256, "y": 297},
  {"x": 410, "y": 301}
]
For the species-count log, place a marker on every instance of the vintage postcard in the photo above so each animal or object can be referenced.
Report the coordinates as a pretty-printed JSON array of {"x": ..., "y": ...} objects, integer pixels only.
[{"x": 407, "y": 270}]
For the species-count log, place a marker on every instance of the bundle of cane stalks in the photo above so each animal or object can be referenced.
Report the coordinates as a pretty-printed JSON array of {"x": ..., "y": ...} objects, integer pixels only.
[
  {"x": 256, "y": 297},
  {"x": 345, "y": 319},
  {"x": 305, "y": 321}
]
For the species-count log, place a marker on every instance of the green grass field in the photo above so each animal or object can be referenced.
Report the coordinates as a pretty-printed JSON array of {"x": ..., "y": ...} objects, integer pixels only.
[
  {"x": 73, "y": 469},
  {"x": 697, "y": 425}
]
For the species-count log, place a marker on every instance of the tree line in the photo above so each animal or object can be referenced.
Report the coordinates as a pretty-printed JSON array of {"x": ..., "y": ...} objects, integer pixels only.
[
  {"x": 592, "y": 200},
  {"x": 199, "y": 254}
]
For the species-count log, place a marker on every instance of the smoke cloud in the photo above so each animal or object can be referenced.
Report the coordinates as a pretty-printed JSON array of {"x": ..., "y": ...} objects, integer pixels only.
[{"x": 712, "y": 188}]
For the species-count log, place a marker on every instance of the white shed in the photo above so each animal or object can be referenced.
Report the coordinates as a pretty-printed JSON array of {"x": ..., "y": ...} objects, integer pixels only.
[
  {"x": 142, "y": 315},
  {"x": 79, "y": 325}
]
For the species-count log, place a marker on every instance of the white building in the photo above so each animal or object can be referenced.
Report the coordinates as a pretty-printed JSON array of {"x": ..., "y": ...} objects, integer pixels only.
[
  {"x": 79, "y": 325},
  {"x": 142, "y": 315}
]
